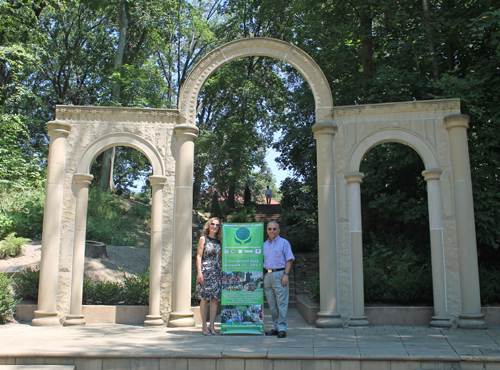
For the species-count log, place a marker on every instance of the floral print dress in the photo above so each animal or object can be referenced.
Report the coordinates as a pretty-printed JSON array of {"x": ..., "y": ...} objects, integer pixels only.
[{"x": 211, "y": 270}]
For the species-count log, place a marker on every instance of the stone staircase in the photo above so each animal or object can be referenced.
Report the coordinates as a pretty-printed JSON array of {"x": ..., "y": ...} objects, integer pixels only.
[{"x": 266, "y": 213}]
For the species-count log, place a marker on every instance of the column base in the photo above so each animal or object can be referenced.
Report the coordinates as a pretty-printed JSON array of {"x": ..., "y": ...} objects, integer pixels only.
[
  {"x": 471, "y": 321},
  {"x": 72, "y": 320},
  {"x": 440, "y": 322},
  {"x": 154, "y": 320},
  {"x": 181, "y": 319},
  {"x": 45, "y": 318},
  {"x": 358, "y": 321},
  {"x": 329, "y": 320}
]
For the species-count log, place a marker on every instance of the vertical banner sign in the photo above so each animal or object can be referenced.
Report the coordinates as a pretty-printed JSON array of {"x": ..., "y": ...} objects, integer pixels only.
[{"x": 242, "y": 279}]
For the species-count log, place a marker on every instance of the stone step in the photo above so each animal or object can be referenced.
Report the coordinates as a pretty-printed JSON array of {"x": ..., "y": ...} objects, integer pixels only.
[
  {"x": 260, "y": 217},
  {"x": 37, "y": 367}
]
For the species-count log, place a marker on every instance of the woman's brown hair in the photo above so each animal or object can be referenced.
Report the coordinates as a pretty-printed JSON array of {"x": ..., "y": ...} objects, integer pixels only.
[{"x": 206, "y": 229}]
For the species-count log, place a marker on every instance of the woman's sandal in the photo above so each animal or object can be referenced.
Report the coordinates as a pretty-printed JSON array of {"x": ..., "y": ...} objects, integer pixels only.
[
  {"x": 207, "y": 333},
  {"x": 213, "y": 332}
]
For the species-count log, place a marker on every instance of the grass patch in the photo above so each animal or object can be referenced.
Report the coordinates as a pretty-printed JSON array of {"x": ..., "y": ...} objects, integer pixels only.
[{"x": 115, "y": 220}]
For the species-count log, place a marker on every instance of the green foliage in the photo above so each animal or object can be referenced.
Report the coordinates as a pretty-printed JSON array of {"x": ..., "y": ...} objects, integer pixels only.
[
  {"x": 114, "y": 220},
  {"x": 143, "y": 197},
  {"x": 247, "y": 214},
  {"x": 136, "y": 288},
  {"x": 7, "y": 301},
  {"x": 302, "y": 230},
  {"x": 26, "y": 284},
  {"x": 215, "y": 210},
  {"x": 375, "y": 283},
  {"x": 489, "y": 280},
  {"x": 313, "y": 285},
  {"x": 11, "y": 246},
  {"x": 102, "y": 292},
  {"x": 194, "y": 298}
]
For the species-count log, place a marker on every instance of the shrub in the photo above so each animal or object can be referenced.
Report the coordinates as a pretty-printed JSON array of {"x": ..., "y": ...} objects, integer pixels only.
[
  {"x": 136, "y": 288},
  {"x": 11, "y": 246},
  {"x": 215, "y": 210},
  {"x": 489, "y": 281},
  {"x": 26, "y": 284},
  {"x": 143, "y": 197},
  {"x": 194, "y": 299},
  {"x": 7, "y": 301},
  {"x": 375, "y": 284},
  {"x": 411, "y": 286},
  {"x": 102, "y": 292},
  {"x": 302, "y": 230},
  {"x": 313, "y": 285},
  {"x": 247, "y": 214}
]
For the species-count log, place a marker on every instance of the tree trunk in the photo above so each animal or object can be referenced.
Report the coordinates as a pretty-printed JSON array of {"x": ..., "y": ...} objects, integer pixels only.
[
  {"x": 430, "y": 38},
  {"x": 109, "y": 154},
  {"x": 366, "y": 43},
  {"x": 230, "y": 197}
]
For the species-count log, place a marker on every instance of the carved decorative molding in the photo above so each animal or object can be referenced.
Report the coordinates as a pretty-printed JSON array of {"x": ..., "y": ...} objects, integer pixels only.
[
  {"x": 403, "y": 107},
  {"x": 92, "y": 113}
]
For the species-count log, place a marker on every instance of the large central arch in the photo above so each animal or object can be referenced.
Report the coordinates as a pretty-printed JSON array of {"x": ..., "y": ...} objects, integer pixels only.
[{"x": 324, "y": 131}]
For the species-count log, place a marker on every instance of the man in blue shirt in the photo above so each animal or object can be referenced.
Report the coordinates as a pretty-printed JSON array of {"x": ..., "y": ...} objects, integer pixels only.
[{"x": 278, "y": 259}]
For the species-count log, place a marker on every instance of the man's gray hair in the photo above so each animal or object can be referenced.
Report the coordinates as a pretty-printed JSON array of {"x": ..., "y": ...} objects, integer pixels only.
[{"x": 274, "y": 222}]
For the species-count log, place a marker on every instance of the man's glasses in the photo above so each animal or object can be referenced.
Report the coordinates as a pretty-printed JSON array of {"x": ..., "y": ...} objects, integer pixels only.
[
  {"x": 215, "y": 225},
  {"x": 271, "y": 229}
]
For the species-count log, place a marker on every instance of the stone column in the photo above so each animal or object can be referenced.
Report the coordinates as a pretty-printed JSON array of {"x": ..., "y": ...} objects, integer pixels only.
[
  {"x": 155, "y": 317},
  {"x": 471, "y": 316},
  {"x": 329, "y": 316},
  {"x": 75, "y": 316},
  {"x": 354, "y": 180},
  {"x": 46, "y": 313},
  {"x": 181, "y": 314},
  {"x": 440, "y": 318}
]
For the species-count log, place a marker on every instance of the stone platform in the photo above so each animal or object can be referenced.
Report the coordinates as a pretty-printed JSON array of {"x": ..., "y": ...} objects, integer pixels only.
[{"x": 102, "y": 347}]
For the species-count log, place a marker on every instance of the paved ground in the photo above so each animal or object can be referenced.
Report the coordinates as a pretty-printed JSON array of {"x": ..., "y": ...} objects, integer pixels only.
[{"x": 303, "y": 342}]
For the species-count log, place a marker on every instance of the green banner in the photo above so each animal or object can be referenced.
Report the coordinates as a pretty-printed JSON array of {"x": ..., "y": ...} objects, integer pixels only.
[{"x": 242, "y": 279}]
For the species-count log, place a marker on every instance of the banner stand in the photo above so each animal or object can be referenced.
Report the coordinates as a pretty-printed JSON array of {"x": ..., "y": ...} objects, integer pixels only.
[{"x": 242, "y": 279}]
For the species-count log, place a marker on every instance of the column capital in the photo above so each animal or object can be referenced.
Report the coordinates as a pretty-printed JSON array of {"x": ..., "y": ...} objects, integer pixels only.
[
  {"x": 456, "y": 120},
  {"x": 157, "y": 180},
  {"x": 83, "y": 178},
  {"x": 432, "y": 174},
  {"x": 322, "y": 128},
  {"x": 58, "y": 126},
  {"x": 352, "y": 177},
  {"x": 189, "y": 131}
]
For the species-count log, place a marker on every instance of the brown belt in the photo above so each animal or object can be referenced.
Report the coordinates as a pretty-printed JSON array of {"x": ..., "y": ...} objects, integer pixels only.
[{"x": 268, "y": 271}]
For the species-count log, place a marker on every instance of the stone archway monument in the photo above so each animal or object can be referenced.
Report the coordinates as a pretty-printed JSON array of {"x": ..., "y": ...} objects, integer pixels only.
[{"x": 435, "y": 129}]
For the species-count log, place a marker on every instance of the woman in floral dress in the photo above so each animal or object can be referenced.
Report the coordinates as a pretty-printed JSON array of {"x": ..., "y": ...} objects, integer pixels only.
[{"x": 208, "y": 265}]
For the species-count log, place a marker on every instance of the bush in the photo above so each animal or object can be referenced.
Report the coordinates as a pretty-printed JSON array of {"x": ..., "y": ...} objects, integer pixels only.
[
  {"x": 7, "y": 301},
  {"x": 11, "y": 246},
  {"x": 143, "y": 197},
  {"x": 26, "y": 284},
  {"x": 302, "y": 230},
  {"x": 102, "y": 292},
  {"x": 136, "y": 288},
  {"x": 375, "y": 284},
  {"x": 22, "y": 209},
  {"x": 247, "y": 214},
  {"x": 411, "y": 286},
  {"x": 215, "y": 210},
  {"x": 313, "y": 285},
  {"x": 489, "y": 281}
]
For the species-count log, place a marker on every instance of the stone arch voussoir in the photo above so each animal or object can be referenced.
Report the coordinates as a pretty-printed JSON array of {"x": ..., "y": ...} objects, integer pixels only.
[
  {"x": 252, "y": 47},
  {"x": 121, "y": 139},
  {"x": 422, "y": 147}
]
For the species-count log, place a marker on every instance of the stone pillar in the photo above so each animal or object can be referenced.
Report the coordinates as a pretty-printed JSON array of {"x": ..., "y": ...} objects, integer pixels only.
[
  {"x": 354, "y": 179},
  {"x": 75, "y": 316},
  {"x": 46, "y": 313},
  {"x": 471, "y": 316},
  {"x": 440, "y": 318},
  {"x": 328, "y": 316},
  {"x": 155, "y": 317},
  {"x": 181, "y": 314}
]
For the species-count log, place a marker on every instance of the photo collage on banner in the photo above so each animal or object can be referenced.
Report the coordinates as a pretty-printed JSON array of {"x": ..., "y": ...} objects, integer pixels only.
[{"x": 242, "y": 279}]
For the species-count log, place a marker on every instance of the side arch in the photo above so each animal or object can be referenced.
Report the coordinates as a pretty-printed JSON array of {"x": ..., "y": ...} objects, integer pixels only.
[
  {"x": 426, "y": 152},
  {"x": 251, "y": 47},
  {"x": 121, "y": 139}
]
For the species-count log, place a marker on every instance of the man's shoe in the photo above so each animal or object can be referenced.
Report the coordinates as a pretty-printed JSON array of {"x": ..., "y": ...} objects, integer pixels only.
[
  {"x": 272, "y": 332},
  {"x": 282, "y": 334}
]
